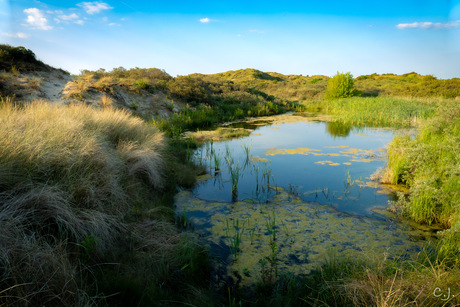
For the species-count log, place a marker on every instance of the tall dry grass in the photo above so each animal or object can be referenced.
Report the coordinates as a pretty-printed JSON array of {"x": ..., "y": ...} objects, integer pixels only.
[{"x": 67, "y": 174}]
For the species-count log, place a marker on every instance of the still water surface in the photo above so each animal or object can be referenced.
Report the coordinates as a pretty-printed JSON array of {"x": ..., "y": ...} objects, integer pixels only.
[{"x": 291, "y": 193}]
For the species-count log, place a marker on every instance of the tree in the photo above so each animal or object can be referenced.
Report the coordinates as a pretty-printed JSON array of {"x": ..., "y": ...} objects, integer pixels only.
[{"x": 340, "y": 86}]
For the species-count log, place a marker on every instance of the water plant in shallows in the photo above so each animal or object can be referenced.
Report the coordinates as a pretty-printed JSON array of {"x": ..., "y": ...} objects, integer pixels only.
[
  {"x": 234, "y": 177},
  {"x": 234, "y": 232},
  {"x": 269, "y": 264},
  {"x": 247, "y": 152},
  {"x": 217, "y": 162}
]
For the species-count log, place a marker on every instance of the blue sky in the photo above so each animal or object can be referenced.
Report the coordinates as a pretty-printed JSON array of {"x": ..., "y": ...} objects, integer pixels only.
[{"x": 289, "y": 37}]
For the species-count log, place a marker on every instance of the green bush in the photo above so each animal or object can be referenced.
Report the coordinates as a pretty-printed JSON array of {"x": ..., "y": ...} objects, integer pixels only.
[
  {"x": 20, "y": 58},
  {"x": 340, "y": 86}
]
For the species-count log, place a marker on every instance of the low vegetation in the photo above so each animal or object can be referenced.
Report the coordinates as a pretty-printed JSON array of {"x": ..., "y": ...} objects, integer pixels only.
[
  {"x": 84, "y": 208},
  {"x": 299, "y": 88},
  {"x": 377, "y": 111},
  {"x": 16, "y": 59},
  {"x": 423, "y": 280},
  {"x": 429, "y": 165}
]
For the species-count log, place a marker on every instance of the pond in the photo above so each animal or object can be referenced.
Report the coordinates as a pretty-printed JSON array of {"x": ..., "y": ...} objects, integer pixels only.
[{"x": 295, "y": 191}]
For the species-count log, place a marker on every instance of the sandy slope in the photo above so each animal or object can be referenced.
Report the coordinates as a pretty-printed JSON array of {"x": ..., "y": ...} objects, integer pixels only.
[{"x": 58, "y": 86}]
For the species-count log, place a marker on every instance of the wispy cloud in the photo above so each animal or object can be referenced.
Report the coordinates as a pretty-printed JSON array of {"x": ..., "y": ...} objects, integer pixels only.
[
  {"x": 94, "y": 7},
  {"x": 16, "y": 35},
  {"x": 68, "y": 17},
  {"x": 36, "y": 18},
  {"x": 71, "y": 18},
  {"x": 429, "y": 25}
]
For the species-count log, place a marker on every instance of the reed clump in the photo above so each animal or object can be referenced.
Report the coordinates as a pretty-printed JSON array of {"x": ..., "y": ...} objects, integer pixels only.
[{"x": 377, "y": 111}]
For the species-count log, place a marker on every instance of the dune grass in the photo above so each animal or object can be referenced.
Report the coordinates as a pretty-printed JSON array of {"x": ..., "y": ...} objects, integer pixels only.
[{"x": 83, "y": 193}]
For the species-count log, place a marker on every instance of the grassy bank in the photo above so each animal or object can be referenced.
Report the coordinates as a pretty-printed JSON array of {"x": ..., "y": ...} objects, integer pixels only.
[
  {"x": 429, "y": 165},
  {"x": 422, "y": 280},
  {"x": 377, "y": 111},
  {"x": 87, "y": 210}
]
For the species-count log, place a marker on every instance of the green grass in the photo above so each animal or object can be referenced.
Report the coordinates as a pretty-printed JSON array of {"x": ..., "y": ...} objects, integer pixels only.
[
  {"x": 429, "y": 165},
  {"x": 205, "y": 116},
  {"x": 376, "y": 111}
]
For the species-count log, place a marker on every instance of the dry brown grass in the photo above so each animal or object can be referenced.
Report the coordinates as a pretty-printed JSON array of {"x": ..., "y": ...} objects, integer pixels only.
[
  {"x": 106, "y": 101},
  {"x": 406, "y": 283},
  {"x": 67, "y": 174}
]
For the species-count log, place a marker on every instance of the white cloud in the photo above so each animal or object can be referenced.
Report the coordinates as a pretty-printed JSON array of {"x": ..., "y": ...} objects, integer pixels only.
[
  {"x": 114, "y": 24},
  {"x": 208, "y": 20},
  {"x": 36, "y": 19},
  {"x": 68, "y": 17},
  {"x": 429, "y": 25},
  {"x": 79, "y": 22},
  {"x": 16, "y": 35},
  {"x": 94, "y": 7}
]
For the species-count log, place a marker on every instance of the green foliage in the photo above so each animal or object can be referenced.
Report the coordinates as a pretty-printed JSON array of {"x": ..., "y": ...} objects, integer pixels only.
[
  {"x": 429, "y": 165},
  {"x": 205, "y": 116},
  {"x": 412, "y": 85},
  {"x": 316, "y": 80},
  {"x": 340, "y": 86},
  {"x": 18, "y": 58},
  {"x": 88, "y": 248}
]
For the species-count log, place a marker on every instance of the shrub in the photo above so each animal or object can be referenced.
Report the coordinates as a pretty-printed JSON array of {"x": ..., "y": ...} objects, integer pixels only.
[
  {"x": 340, "y": 86},
  {"x": 21, "y": 58}
]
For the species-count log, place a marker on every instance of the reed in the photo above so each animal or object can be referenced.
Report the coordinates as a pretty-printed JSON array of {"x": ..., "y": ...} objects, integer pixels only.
[
  {"x": 269, "y": 264},
  {"x": 217, "y": 162},
  {"x": 247, "y": 151},
  {"x": 234, "y": 177},
  {"x": 348, "y": 184},
  {"x": 267, "y": 172},
  {"x": 234, "y": 233},
  {"x": 256, "y": 170},
  {"x": 378, "y": 111}
]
